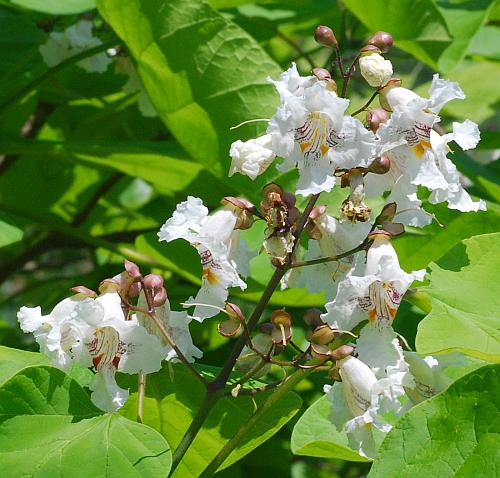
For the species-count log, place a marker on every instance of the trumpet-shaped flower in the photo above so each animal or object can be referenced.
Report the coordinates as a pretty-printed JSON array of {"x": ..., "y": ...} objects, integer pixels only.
[
  {"x": 309, "y": 130},
  {"x": 376, "y": 293},
  {"x": 217, "y": 243},
  {"x": 423, "y": 160},
  {"x": 94, "y": 333},
  {"x": 356, "y": 405}
]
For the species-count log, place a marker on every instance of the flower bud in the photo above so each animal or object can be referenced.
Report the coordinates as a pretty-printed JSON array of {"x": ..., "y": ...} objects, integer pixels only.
[
  {"x": 160, "y": 297},
  {"x": 234, "y": 312},
  {"x": 373, "y": 67},
  {"x": 323, "y": 335},
  {"x": 342, "y": 352},
  {"x": 380, "y": 165},
  {"x": 153, "y": 281},
  {"x": 282, "y": 331},
  {"x": 321, "y": 74},
  {"x": 251, "y": 157},
  {"x": 325, "y": 36},
  {"x": 243, "y": 209},
  {"x": 85, "y": 291},
  {"x": 375, "y": 117},
  {"x": 382, "y": 40},
  {"x": 133, "y": 270}
]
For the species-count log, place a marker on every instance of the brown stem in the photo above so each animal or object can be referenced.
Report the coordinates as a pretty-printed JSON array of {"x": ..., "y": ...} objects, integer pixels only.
[{"x": 322, "y": 260}]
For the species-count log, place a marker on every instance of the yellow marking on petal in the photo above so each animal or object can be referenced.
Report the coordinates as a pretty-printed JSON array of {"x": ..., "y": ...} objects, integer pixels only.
[
  {"x": 304, "y": 146},
  {"x": 210, "y": 276},
  {"x": 324, "y": 149}
]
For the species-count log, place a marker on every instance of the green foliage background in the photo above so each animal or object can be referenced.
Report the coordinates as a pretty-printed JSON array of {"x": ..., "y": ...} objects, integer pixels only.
[{"x": 86, "y": 180}]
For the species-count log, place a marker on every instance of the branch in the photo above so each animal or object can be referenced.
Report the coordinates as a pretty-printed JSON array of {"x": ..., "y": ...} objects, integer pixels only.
[{"x": 287, "y": 386}]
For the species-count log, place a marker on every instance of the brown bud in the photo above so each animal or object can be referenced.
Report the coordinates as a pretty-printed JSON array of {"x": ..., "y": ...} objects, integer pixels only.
[
  {"x": 234, "y": 312},
  {"x": 267, "y": 328},
  {"x": 243, "y": 209},
  {"x": 81, "y": 289},
  {"x": 109, "y": 285},
  {"x": 323, "y": 335},
  {"x": 381, "y": 40},
  {"x": 321, "y": 74},
  {"x": 132, "y": 269},
  {"x": 160, "y": 297},
  {"x": 342, "y": 352},
  {"x": 153, "y": 281},
  {"x": 325, "y": 36},
  {"x": 369, "y": 49},
  {"x": 380, "y": 165},
  {"x": 375, "y": 117}
]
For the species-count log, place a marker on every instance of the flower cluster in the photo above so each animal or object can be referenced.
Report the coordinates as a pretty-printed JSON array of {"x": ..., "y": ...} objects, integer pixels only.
[
  {"x": 106, "y": 333},
  {"x": 348, "y": 255}
]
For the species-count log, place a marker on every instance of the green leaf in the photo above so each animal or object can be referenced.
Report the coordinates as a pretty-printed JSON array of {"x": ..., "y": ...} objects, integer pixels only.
[
  {"x": 13, "y": 360},
  {"x": 216, "y": 80},
  {"x": 454, "y": 434},
  {"x": 423, "y": 33},
  {"x": 315, "y": 434},
  {"x": 172, "y": 400},
  {"x": 437, "y": 33},
  {"x": 9, "y": 234},
  {"x": 416, "y": 251},
  {"x": 465, "y": 308},
  {"x": 47, "y": 423},
  {"x": 56, "y": 7},
  {"x": 485, "y": 42}
]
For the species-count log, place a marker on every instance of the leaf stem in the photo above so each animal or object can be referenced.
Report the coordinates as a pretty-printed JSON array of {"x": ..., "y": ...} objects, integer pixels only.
[
  {"x": 368, "y": 103},
  {"x": 322, "y": 260}
]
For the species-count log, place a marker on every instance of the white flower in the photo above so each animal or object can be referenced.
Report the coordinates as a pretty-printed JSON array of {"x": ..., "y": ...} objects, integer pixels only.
[
  {"x": 423, "y": 159},
  {"x": 217, "y": 244},
  {"x": 94, "y": 332},
  {"x": 374, "y": 68},
  {"x": 355, "y": 405},
  {"x": 309, "y": 130},
  {"x": 74, "y": 40},
  {"x": 177, "y": 325},
  {"x": 429, "y": 374},
  {"x": 376, "y": 293},
  {"x": 335, "y": 238},
  {"x": 251, "y": 157}
]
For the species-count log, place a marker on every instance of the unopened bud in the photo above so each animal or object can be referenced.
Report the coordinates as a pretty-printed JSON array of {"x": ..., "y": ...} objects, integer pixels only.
[
  {"x": 133, "y": 270},
  {"x": 387, "y": 214},
  {"x": 381, "y": 40},
  {"x": 234, "y": 312},
  {"x": 380, "y": 165},
  {"x": 85, "y": 291},
  {"x": 375, "y": 117},
  {"x": 323, "y": 335},
  {"x": 342, "y": 352},
  {"x": 160, "y": 297},
  {"x": 321, "y": 74},
  {"x": 153, "y": 281},
  {"x": 325, "y": 36}
]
